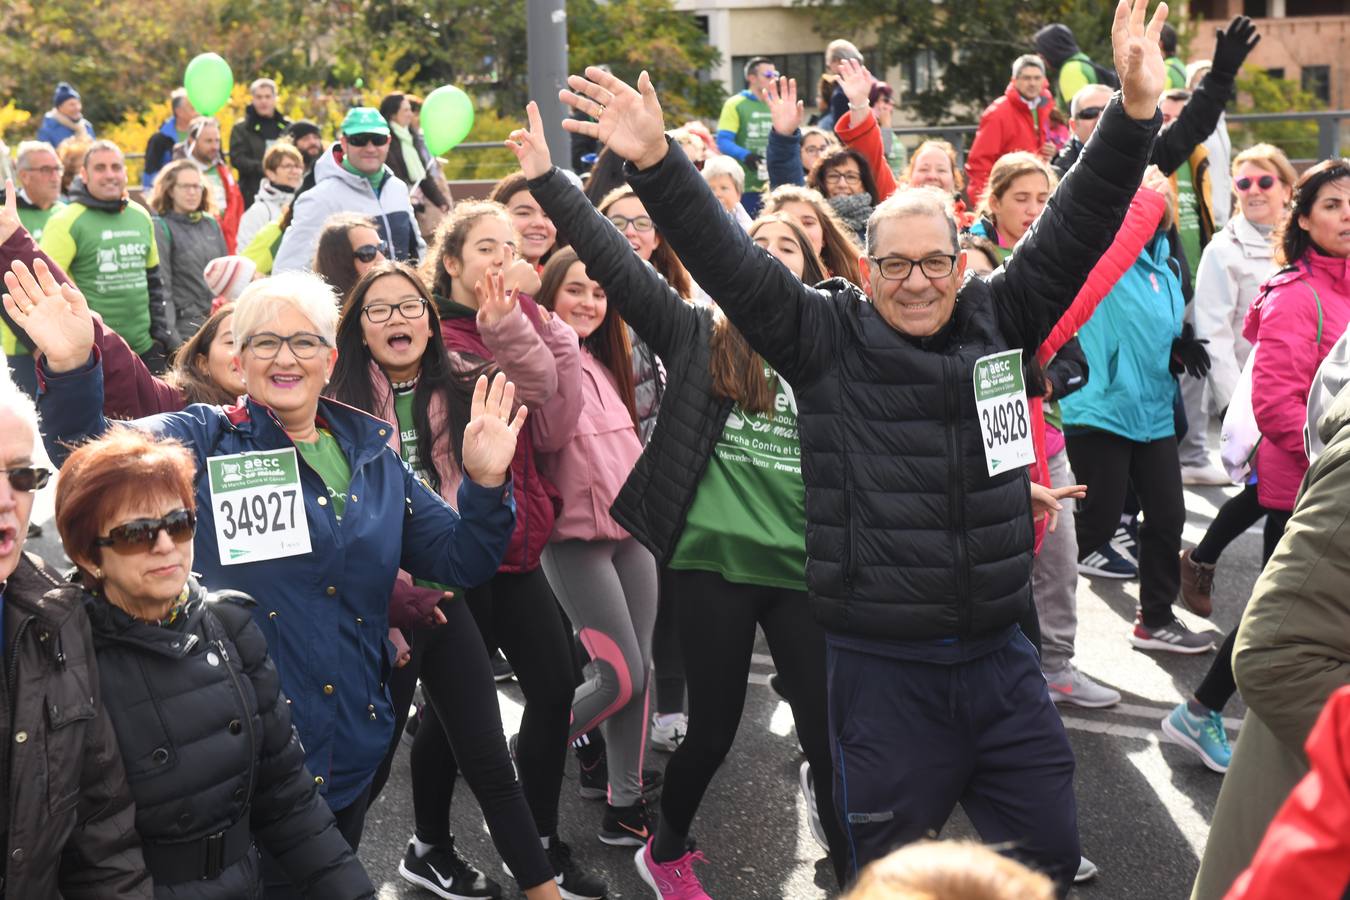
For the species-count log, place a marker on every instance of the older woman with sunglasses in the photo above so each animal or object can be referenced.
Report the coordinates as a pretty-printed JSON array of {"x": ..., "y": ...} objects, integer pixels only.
[
  {"x": 213, "y": 760},
  {"x": 302, "y": 504},
  {"x": 68, "y": 816}
]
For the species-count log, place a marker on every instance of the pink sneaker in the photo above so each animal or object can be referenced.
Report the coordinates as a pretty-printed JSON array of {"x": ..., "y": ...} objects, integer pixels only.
[{"x": 673, "y": 880}]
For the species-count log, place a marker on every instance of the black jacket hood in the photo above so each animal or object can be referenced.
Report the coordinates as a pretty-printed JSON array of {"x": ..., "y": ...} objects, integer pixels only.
[{"x": 1056, "y": 43}]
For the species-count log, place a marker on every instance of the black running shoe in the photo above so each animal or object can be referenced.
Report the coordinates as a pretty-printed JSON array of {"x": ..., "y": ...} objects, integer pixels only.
[
  {"x": 573, "y": 883},
  {"x": 501, "y": 669},
  {"x": 446, "y": 874},
  {"x": 593, "y": 780},
  {"x": 627, "y": 826}
]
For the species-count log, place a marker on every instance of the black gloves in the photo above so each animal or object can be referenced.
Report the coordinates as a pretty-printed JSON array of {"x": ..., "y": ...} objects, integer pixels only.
[
  {"x": 1189, "y": 354},
  {"x": 752, "y": 160},
  {"x": 1232, "y": 44}
]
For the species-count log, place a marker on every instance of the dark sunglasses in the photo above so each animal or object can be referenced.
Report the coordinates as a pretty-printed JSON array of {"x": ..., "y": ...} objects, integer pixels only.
[
  {"x": 1089, "y": 113},
  {"x": 139, "y": 535},
  {"x": 27, "y": 478},
  {"x": 367, "y": 252},
  {"x": 1265, "y": 183},
  {"x": 361, "y": 140}
]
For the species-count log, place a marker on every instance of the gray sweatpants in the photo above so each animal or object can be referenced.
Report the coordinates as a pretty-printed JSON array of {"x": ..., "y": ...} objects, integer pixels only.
[
  {"x": 1054, "y": 579},
  {"x": 608, "y": 590}
]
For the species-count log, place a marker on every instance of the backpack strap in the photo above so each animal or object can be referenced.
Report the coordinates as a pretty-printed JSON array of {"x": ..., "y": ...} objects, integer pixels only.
[{"x": 1320, "y": 322}]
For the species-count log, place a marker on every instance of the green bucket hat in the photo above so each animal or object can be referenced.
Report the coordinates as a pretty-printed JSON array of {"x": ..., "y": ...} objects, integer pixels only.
[{"x": 364, "y": 120}]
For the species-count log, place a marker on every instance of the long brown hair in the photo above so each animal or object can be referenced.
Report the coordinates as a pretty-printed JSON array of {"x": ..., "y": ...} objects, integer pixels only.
[
  {"x": 189, "y": 372},
  {"x": 608, "y": 342},
  {"x": 738, "y": 371},
  {"x": 840, "y": 253},
  {"x": 663, "y": 258}
]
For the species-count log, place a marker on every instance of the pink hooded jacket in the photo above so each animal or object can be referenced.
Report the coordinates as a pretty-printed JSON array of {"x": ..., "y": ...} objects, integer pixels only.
[
  {"x": 593, "y": 462},
  {"x": 1282, "y": 326}
]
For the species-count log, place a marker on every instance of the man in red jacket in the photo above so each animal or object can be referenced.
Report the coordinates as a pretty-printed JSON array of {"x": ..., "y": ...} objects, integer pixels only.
[{"x": 1019, "y": 120}]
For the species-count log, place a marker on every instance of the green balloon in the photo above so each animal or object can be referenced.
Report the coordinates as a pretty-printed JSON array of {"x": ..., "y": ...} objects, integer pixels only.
[
  {"x": 208, "y": 81},
  {"x": 447, "y": 116}
]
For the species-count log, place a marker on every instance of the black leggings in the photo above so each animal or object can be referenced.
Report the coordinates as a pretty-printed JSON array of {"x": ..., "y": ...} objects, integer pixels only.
[
  {"x": 667, "y": 661},
  {"x": 1218, "y": 686},
  {"x": 716, "y": 621},
  {"x": 1109, "y": 464},
  {"x": 452, "y": 663},
  {"x": 518, "y": 614},
  {"x": 1237, "y": 515}
]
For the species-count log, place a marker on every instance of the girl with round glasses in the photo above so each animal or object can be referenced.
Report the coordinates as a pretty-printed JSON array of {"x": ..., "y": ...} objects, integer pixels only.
[{"x": 392, "y": 363}]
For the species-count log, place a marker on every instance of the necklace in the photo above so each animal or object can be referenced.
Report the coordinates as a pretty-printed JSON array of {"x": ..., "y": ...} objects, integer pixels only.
[{"x": 401, "y": 386}]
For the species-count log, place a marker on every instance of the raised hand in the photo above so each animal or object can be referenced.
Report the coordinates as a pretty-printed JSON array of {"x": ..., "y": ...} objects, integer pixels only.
[
  {"x": 490, "y": 436},
  {"x": 856, "y": 82},
  {"x": 1156, "y": 181},
  {"x": 494, "y": 303},
  {"x": 9, "y": 214},
  {"x": 56, "y": 316},
  {"x": 1045, "y": 501},
  {"x": 1233, "y": 44},
  {"x": 521, "y": 277},
  {"x": 529, "y": 145},
  {"x": 1138, "y": 56},
  {"x": 627, "y": 121},
  {"x": 785, "y": 109}
]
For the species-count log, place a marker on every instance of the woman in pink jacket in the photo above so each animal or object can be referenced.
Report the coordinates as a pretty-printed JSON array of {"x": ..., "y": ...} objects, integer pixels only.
[
  {"x": 604, "y": 579},
  {"x": 1300, "y": 314}
]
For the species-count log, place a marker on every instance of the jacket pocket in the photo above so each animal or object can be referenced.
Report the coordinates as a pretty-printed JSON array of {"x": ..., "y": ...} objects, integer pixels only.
[{"x": 70, "y": 710}]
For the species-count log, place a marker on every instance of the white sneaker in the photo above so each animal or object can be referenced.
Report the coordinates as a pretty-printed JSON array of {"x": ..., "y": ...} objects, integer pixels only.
[
  {"x": 1208, "y": 474},
  {"x": 669, "y": 734},
  {"x": 1073, "y": 687},
  {"x": 1087, "y": 870},
  {"x": 808, "y": 783}
]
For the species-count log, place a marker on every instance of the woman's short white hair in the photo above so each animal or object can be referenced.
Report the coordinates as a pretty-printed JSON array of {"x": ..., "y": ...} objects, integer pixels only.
[
  {"x": 304, "y": 292},
  {"x": 726, "y": 167},
  {"x": 18, "y": 404}
]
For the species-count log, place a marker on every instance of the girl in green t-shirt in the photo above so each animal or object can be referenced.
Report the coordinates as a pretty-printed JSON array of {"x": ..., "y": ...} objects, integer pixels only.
[{"x": 691, "y": 498}]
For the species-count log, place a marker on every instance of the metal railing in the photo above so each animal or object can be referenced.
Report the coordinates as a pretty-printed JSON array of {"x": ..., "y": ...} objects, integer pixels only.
[
  {"x": 1328, "y": 129},
  {"x": 1329, "y": 124}
]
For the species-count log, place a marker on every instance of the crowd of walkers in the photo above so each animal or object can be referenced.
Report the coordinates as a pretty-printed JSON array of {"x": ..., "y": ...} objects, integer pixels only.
[{"x": 337, "y": 453}]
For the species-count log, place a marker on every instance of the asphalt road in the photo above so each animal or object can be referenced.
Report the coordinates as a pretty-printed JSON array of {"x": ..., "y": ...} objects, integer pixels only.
[{"x": 1143, "y": 804}]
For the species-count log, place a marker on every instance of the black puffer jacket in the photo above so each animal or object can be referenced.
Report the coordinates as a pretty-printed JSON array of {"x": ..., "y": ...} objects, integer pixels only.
[
  {"x": 64, "y": 804},
  {"x": 249, "y": 139},
  {"x": 208, "y": 743},
  {"x": 655, "y": 499},
  {"x": 907, "y": 536}
]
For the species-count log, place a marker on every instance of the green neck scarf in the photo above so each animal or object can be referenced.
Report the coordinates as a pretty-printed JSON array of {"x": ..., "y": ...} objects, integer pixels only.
[{"x": 375, "y": 178}]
